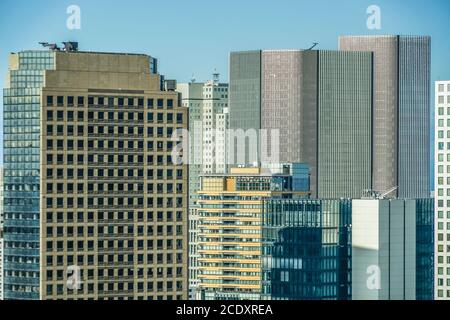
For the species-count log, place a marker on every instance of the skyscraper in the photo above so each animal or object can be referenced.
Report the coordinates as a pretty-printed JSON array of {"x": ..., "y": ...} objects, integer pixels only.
[
  {"x": 208, "y": 121},
  {"x": 442, "y": 190},
  {"x": 401, "y": 114},
  {"x": 95, "y": 208},
  {"x": 392, "y": 249},
  {"x": 321, "y": 104}
]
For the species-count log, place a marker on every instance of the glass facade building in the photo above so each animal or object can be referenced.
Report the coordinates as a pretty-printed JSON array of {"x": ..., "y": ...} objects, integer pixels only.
[
  {"x": 22, "y": 107},
  {"x": 306, "y": 249}
]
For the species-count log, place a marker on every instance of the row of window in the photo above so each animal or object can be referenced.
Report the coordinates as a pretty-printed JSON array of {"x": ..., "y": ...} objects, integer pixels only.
[
  {"x": 111, "y": 216},
  {"x": 69, "y": 260},
  {"x": 441, "y": 87},
  {"x": 79, "y": 130},
  {"x": 69, "y": 202},
  {"x": 108, "y": 101},
  {"x": 61, "y": 115},
  {"x": 117, "y": 288},
  {"x": 441, "y": 99},
  {"x": 129, "y": 145},
  {"x": 108, "y": 160},
  {"x": 113, "y": 187},
  {"x": 119, "y": 230},
  {"x": 71, "y": 173},
  {"x": 89, "y": 274}
]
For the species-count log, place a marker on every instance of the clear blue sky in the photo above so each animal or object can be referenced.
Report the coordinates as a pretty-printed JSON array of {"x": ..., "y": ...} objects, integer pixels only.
[{"x": 195, "y": 36}]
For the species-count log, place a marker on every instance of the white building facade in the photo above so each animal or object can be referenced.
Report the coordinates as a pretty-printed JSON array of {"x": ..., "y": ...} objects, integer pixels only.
[
  {"x": 392, "y": 249},
  {"x": 442, "y": 190},
  {"x": 208, "y": 122}
]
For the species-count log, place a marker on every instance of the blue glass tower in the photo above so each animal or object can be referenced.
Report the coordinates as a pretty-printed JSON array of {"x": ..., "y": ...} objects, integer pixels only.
[
  {"x": 306, "y": 249},
  {"x": 22, "y": 106}
]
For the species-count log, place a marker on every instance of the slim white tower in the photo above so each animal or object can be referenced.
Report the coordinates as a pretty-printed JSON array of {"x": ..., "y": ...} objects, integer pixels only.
[{"x": 442, "y": 191}]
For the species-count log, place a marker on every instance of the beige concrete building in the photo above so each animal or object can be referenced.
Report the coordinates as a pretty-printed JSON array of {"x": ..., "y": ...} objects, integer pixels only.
[
  {"x": 230, "y": 242},
  {"x": 112, "y": 220}
]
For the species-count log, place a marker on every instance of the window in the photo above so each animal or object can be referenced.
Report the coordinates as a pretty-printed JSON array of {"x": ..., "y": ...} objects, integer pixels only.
[
  {"x": 170, "y": 103},
  {"x": 80, "y": 101},
  {"x": 49, "y": 101},
  {"x": 160, "y": 103},
  {"x": 150, "y": 103},
  {"x": 60, "y": 101}
]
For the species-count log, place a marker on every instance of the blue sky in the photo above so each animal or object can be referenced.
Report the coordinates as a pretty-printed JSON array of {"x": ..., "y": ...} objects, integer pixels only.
[{"x": 195, "y": 36}]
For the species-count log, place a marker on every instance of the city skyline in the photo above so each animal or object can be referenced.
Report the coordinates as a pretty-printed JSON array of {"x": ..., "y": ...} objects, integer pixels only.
[{"x": 294, "y": 150}]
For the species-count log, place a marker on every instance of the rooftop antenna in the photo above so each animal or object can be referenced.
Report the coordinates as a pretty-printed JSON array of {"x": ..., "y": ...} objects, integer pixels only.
[
  {"x": 314, "y": 45},
  {"x": 216, "y": 76},
  {"x": 70, "y": 46},
  {"x": 51, "y": 46},
  {"x": 192, "y": 79}
]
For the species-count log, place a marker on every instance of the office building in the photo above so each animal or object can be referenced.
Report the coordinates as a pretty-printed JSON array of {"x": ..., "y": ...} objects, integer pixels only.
[
  {"x": 306, "y": 249},
  {"x": 230, "y": 227},
  {"x": 208, "y": 118},
  {"x": 392, "y": 249},
  {"x": 442, "y": 191},
  {"x": 95, "y": 208},
  {"x": 208, "y": 121},
  {"x": 320, "y": 103},
  {"x": 401, "y": 113}
]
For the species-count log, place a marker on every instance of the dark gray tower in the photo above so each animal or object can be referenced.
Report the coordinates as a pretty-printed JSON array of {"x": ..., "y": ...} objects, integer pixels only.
[{"x": 321, "y": 103}]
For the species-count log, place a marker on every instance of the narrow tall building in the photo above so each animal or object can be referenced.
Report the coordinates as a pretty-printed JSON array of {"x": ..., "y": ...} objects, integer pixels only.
[
  {"x": 401, "y": 114},
  {"x": 392, "y": 249},
  {"x": 442, "y": 190},
  {"x": 208, "y": 121},
  {"x": 320, "y": 102},
  {"x": 95, "y": 208}
]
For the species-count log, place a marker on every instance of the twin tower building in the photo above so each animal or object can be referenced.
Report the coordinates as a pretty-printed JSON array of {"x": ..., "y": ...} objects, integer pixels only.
[{"x": 359, "y": 117}]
